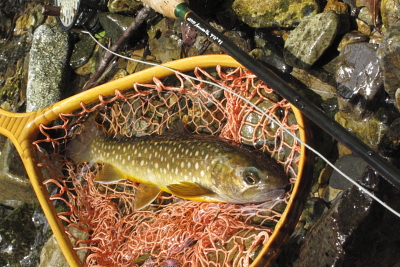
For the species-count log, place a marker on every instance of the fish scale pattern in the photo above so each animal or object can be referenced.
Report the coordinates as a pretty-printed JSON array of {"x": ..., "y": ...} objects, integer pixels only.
[{"x": 100, "y": 218}]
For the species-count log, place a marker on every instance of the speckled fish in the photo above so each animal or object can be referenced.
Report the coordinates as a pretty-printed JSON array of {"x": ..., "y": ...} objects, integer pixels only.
[{"x": 193, "y": 167}]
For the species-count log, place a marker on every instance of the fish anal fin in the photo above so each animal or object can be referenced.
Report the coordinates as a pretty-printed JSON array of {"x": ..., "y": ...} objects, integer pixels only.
[
  {"x": 146, "y": 194},
  {"x": 109, "y": 174},
  {"x": 187, "y": 189}
]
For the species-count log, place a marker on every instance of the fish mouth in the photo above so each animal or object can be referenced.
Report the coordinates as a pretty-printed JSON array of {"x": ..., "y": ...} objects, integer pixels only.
[{"x": 257, "y": 196}]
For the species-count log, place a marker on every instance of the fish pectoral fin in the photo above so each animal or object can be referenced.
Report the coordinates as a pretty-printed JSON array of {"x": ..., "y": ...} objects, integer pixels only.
[
  {"x": 146, "y": 194},
  {"x": 187, "y": 189},
  {"x": 109, "y": 174}
]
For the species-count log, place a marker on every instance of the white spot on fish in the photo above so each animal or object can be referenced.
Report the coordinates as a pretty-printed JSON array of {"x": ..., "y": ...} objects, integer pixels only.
[
  {"x": 196, "y": 153},
  {"x": 123, "y": 162},
  {"x": 202, "y": 173},
  {"x": 189, "y": 164},
  {"x": 145, "y": 150},
  {"x": 129, "y": 157},
  {"x": 141, "y": 162},
  {"x": 176, "y": 170},
  {"x": 168, "y": 165},
  {"x": 139, "y": 155},
  {"x": 196, "y": 166},
  {"x": 156, "y": 165},
  {"x": 207, "y": 156}
]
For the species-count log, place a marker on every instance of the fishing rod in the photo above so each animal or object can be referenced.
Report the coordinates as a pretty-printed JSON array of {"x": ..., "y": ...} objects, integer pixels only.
[{"x": 180, "y": 9}]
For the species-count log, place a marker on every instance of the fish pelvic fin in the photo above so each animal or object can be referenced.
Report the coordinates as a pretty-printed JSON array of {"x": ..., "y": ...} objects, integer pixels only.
[
  {"x": 109, "y": 174},
  {"x": 146, "y": 194},
  {"x": 189, "y": 190},
  {"x": 78, "y": 149}
]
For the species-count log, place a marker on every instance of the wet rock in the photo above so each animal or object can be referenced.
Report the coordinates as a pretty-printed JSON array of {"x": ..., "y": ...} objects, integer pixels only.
[
  {"x": 15, "y": 186},
  {"x": 326, "y": 242},
  {"x": 352, "y": 166},
  {"x": 322, "y": 88},
  {"x": 389, "y": 59},
  {"x": 123, "y": 5},
  {"x": 82, "y": 52},
  {"x": 310, "y": 39},
  {"x": 359, "y": 79},
  {"x": 351, "y": 38},
  {"x": 363, "y": 27},
  {"x": 51, "y": 254},
  {"x": 390, "y": 142},
  {"x": 22, "y": 235},
  {"x": 5, "y": 24},
  {"x": 277, "y": 13},
  {"x": 341, "y": 9},
  {"x": 390, "y": 12},
  {"x": 370, "y": 130},
  {"x": 114, "y": 24},
  {"x": 366, "y": 16},
  {"x": 164, "y": 42},
  {"x": 47, "y": 67}
]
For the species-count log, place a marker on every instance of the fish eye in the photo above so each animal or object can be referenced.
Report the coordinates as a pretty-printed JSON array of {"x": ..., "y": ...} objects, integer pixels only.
[{"x": 250, "y": 176}]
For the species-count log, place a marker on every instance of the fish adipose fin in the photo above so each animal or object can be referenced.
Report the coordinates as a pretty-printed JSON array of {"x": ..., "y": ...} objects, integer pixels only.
[
  {"x": 187, "y": 189},
  {"x": 146, "y": 194},
  {"x": 109, "y": 174}
]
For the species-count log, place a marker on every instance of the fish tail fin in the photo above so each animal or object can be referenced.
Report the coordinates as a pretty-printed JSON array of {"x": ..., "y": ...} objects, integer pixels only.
[{"x": 78, "y": 149}]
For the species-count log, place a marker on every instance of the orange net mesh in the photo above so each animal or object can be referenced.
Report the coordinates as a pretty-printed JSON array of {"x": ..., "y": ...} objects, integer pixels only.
[{"x": 171, "y": 231}]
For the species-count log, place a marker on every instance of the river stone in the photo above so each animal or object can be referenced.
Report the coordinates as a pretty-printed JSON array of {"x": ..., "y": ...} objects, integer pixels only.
[
  {"x": 352, "y": 166},
  {"x": 124, "y": 5},
  {"x": 322, "y": 88},
  {"x": 15, "y": 186},
  {"x": 328, "y": 240},
  {"x": 47, "y": 67},
  {"x": 370, "y": 131},
  {"x": 390, "y": 142},
  {"x": 274, "y": 13},
  {"x": 114, "y": 24},
  {"x": 359, "y": 78},
  {"x": 390, "y": 12},
  {"x": 306, "y": 44},
  {"x": 82, "y": 52},
  {"x": 352, "y": 37},
  {"x": 389, "y": 59}
]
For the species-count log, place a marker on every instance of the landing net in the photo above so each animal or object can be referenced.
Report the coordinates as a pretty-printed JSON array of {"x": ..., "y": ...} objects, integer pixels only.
[{"x": 170, "y": 232}]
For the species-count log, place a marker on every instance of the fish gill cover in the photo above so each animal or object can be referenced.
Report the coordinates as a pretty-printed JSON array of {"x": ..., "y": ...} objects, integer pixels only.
[{"x": 170, "y": 231}]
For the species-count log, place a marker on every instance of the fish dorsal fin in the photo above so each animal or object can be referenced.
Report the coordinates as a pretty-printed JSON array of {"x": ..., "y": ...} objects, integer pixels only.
[
  {"x": 109, "y": 174},
  {"x": 187, "y": 189},
  {"x": 146, "y": 194}
]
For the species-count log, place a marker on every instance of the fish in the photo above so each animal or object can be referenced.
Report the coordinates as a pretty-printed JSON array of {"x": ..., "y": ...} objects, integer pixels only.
[{"x": 190, "y": 166}]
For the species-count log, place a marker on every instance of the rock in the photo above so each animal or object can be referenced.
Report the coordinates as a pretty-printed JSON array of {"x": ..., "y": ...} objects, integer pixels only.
[
  {"x": 270, "y": 54},
  {"x": 363, "y": 27},
  {"x": 351, "y": 38},
  {"x": 327, "y": 242},
  {"x": 359, "y": 79},
  {"x": 352, "y": 166},
  {"x": 343, "y": 12},
  {"x": 51, "y": 254},
  {"x": 47, "y": 67},
  {"x": 114, "y": 24},
  {"x": 389, "y": 59},
  {"x": 164, "y": 42},
  {"x": 310, "y": 39},
  {"x": 366, "y": 16},
  {"x": 322, "y": 88},
  {"x": 82, "y": 52},
  {"x": 15, "y": 186},
  {"x": 390, "y": 12},
  {"x": 389, "y": 145},
  {"x": 370, "y": 131},
  {"x": 23, "y": 233},
  {"x": 277, "y": 13},
  {"x": 123, "y": 5}
]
